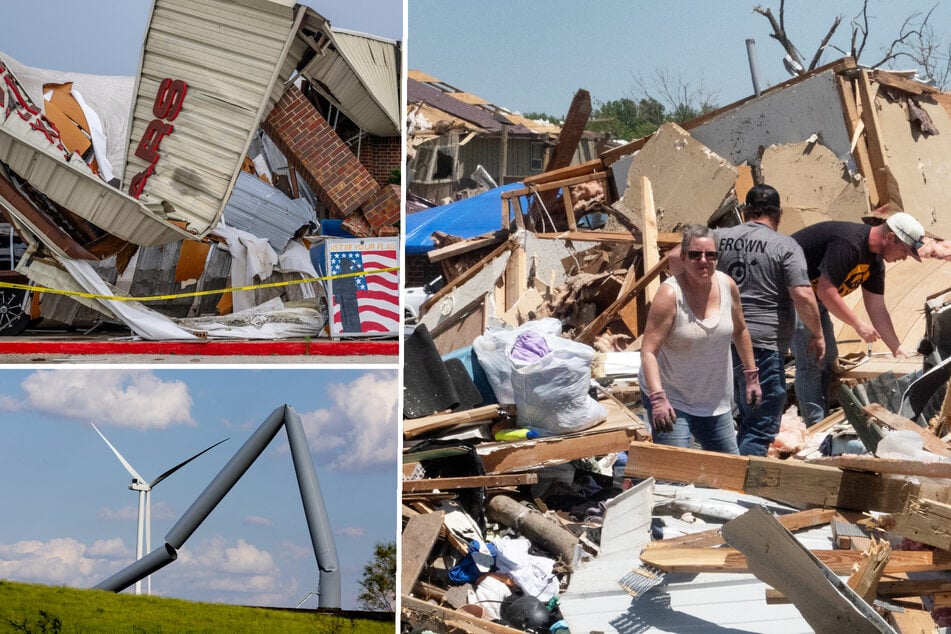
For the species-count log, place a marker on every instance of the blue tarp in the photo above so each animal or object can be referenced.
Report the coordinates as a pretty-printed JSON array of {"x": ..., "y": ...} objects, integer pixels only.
[{"x": 464, "y": 218}]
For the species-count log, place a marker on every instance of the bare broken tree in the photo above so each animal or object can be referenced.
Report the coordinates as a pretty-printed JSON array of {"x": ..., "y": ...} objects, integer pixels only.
[{"x": 916, "y": 41}]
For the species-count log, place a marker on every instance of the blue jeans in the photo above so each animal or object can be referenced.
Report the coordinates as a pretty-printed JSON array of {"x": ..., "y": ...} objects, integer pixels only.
[
  {"x": 713, "y": 433},
  {"x": 814, "y": 379},
  {"x": 758, "y": 427}
]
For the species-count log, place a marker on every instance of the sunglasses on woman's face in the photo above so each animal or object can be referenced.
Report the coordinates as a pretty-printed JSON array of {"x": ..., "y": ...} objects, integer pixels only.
[{"x": 696, "y": 255}]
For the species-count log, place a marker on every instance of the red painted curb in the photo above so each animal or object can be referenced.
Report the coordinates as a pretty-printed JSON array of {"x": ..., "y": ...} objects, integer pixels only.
[{"x": 208, "y": 348}]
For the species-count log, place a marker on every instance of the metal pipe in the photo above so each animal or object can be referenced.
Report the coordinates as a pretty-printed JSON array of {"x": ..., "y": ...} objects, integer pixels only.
[
  {"x": 754, "y": 66},
  {"x": 136, "y": 572},
  {"x": 321, "y": 534},
  {"x": 226, "y": 478}
]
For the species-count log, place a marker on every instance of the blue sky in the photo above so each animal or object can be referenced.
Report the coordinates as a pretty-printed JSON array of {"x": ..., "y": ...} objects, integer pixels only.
[
  {"x": 103, "y": 37},
  {"x": 532, "y": 56},
  {"x": 74, "y": 521}
]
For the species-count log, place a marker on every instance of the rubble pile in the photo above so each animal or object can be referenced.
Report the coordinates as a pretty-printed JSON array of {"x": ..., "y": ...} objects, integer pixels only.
[{"x": 843, "y": 527}]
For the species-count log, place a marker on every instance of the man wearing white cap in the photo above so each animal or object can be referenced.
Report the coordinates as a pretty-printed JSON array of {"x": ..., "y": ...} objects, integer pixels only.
[{"x": 841, "y": 257}]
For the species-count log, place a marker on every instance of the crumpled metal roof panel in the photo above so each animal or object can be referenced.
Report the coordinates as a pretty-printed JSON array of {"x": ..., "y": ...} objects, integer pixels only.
[
  {"x": 359, "y": 74},
  {"x": 207, "y": 75}
]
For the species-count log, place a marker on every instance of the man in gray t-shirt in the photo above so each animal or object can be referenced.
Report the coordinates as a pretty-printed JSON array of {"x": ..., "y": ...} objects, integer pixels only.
[{"x": 770, "y": 270}]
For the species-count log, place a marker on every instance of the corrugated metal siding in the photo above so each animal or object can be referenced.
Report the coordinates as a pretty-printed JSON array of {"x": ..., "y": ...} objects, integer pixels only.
[
  {"x": 360, "y": 75},
  {"x": 259, "y": 209},
  {"x": 75, "y": 188},
  {"x": 228, "y": 53}
]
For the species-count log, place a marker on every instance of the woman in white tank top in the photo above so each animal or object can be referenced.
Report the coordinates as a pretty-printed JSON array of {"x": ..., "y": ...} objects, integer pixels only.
[{"x": 686, "y": 375}]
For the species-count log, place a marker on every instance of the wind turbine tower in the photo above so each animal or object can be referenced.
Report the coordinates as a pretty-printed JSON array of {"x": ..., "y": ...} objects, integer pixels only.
[{"x": 143, "y": 540}]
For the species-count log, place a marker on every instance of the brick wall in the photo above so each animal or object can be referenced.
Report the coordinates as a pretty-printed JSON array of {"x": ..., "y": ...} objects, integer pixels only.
[
  {"x": 325, "y": 162},
  {"x": 381, "y": 155},
  {"x": 419, "y": 270}
]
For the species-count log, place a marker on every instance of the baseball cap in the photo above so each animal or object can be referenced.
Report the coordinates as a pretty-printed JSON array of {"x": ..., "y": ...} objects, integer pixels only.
[
  {"x": 761, "y": 196},
  {"x": 908, "y": 231}
]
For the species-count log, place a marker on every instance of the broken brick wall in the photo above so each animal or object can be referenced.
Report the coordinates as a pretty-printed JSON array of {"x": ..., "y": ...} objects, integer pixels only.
[
  {"x": 419, "y": 270},
  {"x": 381, "y": 155},
  {"x": 322, "y": 158}
]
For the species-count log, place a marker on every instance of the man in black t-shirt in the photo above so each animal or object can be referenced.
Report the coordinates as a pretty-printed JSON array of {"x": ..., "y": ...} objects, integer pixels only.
[{"x": 841, "y": 257}]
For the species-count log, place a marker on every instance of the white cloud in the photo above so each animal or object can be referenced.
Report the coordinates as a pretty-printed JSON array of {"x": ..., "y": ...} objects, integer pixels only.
[
  {"x": 61, "y": 561},
  {"x": 257, "y": 520},
  {"x": 10, "y": 404},
  {"x": 360, "y": 428},
  {"x": 122, "y": 398},
  {"x": 160, "y": 511},
  {"x": 351, "y": 531},
  {"x": 233, "y": 572}
]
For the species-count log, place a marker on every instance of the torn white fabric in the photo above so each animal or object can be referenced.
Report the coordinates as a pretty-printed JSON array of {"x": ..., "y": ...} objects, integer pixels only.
[
  {"x": 533, "y": 574},
  {"x": 270, "y": 320},
  {"x": 252, "y": 260},
  {"x": 296, "y": 259},
  {"x": 99, "y": 143},
  {"x": 143, "y": 321}
]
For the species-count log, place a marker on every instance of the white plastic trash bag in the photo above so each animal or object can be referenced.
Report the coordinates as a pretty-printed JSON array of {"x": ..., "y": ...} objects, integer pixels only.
[{"x": 546, "y": 376}]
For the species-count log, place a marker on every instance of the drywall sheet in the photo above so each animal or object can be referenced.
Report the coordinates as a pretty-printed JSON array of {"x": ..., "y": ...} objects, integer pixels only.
[
  {"x": 810, "y": 107},
  {"x": 813, "y": 185},
  {"x": 921, "y": 165},
  {"x": 689, "y": 181}
]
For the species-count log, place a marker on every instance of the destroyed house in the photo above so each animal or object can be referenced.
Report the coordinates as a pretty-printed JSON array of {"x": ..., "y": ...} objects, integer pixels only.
[
  {"x": 798, "y": 541},
  {"x": 458, "y": 141},
  {"x": 309, "y": 111}
]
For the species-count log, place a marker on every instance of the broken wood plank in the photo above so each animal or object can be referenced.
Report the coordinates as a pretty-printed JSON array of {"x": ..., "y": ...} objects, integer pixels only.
[
  {"x": 774, "y": 556},
  {"x": 476, "y": 416},
  {"x": 785, "y": 481},
  {"x": 876, "y": 148},
  {"x": 649, "y": 237},
  {"x": 912, "y": 621},
  {"x": 896, "y": 421},
  {"x": 912, "y": 588},
  {"x": 531, "y": 454},
  {"x": 847, "y": 534},
  {"x": 791, "y": 521},
  {"x": 465, "y": 246},
  {"x": 855, "y": 126},
  {"x": 571, "y": 171},
  {"x": 886, "y": 465},
  {"x": 703, "y": 468},
  {"x": 595, "y": 327},
  {"x": 925, "y": 521},
  {"x": 470, "y": 482},
  {"x": 696, "y": 560},
  {"x": 536, "y": 188},
  {"x": 864, "y": 580},
  {"x": 465, "y": 277},
  {"x": 451, "y": 620},
  {"x": 419, "y": 537}
]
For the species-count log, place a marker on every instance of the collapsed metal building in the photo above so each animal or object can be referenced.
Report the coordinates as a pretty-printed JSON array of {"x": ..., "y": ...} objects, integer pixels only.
[{"x": 152, "y": 185}]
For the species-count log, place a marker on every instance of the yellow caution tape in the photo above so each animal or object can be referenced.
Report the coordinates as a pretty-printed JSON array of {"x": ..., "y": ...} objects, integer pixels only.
[{"x": 152, "y": 298}]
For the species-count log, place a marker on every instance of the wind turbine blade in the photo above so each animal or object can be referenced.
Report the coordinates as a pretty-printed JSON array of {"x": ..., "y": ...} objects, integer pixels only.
[
  {"x": 125, "y": 463},
  {"x": 182, "y": 464}
]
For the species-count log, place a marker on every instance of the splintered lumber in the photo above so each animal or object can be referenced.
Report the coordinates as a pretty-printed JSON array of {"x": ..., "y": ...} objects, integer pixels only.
[
  {"x": 534, "y": 526},
  {"x": 926, "y": 521},
  {"x": 504, "y": 457},
  {"x": 866, "y": 577},
  {"x": 413, "y": 428},
  {"x": 898, "y": 422},
  {"x": 450, "y": 620},
  {"x": 470, "y": 482},
  {"x": 886, "y": 465},
  {"x": 601, "y": 322},
  {"x": 775, "y": 557},
  {"x": 791, "y": 521},
  {"x": 419, "y": 536},
  {"x": 785, "y": 481},
  {"x": 912, "y": 621},
  {"x": 649, "y": 236},
  {"x": 912, "y": 588},
  {"x": 696, "y": 560}
]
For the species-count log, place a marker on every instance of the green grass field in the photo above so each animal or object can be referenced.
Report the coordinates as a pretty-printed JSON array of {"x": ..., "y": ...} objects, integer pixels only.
[{"x": 50, "y": 609}]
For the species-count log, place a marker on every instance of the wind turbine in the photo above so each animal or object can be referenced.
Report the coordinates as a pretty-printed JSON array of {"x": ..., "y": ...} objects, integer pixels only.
[{"x": 143, "y": 542}]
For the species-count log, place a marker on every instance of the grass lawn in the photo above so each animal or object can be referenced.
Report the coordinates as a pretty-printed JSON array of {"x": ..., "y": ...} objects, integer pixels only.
[{"x": 41, "y": 609}]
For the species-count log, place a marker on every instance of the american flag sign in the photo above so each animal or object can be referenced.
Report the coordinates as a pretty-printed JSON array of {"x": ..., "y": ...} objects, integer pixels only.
[{"x": 367, "y": 303}]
